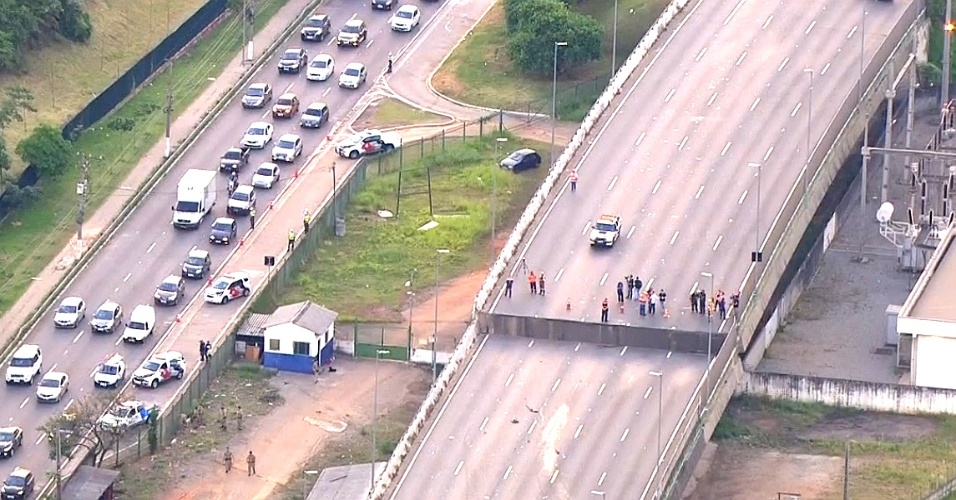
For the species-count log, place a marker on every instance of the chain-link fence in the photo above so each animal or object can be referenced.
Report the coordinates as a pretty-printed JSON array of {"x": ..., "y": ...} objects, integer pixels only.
[{"x": 571, "y": 102}]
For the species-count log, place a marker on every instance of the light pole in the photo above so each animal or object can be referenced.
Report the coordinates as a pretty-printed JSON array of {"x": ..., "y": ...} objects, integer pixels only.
[
  {"x": 305, "y": 482},
  {"x": 614, "y": 42},
  {"x": 660, "y": 420},
  {"x": 438, "y": 254},
  {"x": 58, "y": 444},
  {"x": 947, "y": 59},
  {"x": 494, "y": 198},
  {"x": 335, "y": 215},
  {"x": 806, "y": 173},
  {"x": 554, "y": 95},
  {"x": 757, "y": 256},
  {"x": 710, "y": 324},
  {"x": 378, "y": 356}
]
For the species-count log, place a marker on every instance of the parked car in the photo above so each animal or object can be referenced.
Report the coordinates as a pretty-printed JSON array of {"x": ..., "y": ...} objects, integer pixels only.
[
  {"x": 227, "y": 288},
  {"x": 521, "y": 160}
]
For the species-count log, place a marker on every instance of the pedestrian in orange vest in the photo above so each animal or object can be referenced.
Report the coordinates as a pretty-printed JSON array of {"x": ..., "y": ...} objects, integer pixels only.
[
  {"x": 574, "y": 180},
  {"x": 533, "y": 282},
  {"x": 643, "y": 305}
]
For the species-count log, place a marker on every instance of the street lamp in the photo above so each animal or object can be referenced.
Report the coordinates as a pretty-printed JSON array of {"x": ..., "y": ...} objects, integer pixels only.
[
  {"x": 660, "y": 420},
  {"x": 806, "y": 173},
  {"x": 335, "y": 216},
  {"x": 948, "y": 29},
  {"x": 710, "y": 324},
  {"x": 614, "y": 43},
  {"x": 378, "y": 356},
  {"x": 554, "y": 95},
  {"x": 494, "y": 198},
  {"x": 756, "y": 255},
  {"x": 305, "y": 482},
  {"x": 438, "y": 254},
  {"x": 410, "y": 292},
  {"x": 58, "y": 445}
]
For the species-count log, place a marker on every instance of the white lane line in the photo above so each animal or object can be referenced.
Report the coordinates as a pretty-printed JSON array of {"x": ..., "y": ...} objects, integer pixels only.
[
  {"x": 741, "y": 58},
  {"x": 647, "y": 393},
  {"x": 700, "y": 54},
  {"x": 557, "y": 277},
  {"x": 534, "y": 423},
  {"x": 767, "y": 23},
  {"x": 587, "y": 225},
  {"x": 601, "y": 389},
  {"x": 712, "y": 98},
  {"x": 669, "y": 353},
  {"x": 783, "y": 64},
  {"x": 460, "y": 465},
  {"x": 93, "y": 373},
  {"x": 510, "y": 378},
  {"x": 810, "y": 28},
  {"x": 796, "y": 109},
  {"x": 603, "y": 279},
  {"x": 577, "y": 347},
  {"x": 700, "y": 191},
  {"x": 674, "y": 238},
  {"x": 78, "y": 335},
  {"x": 683, "y": 143},
  {"x": 118, "y": 340},
  {"x": 850, "y": 34},
  {"x": 369, "y": 44},
  {"x": 24, "y": 403},
  {"x": 754, "y": 105},
  {"x": 68, "y": 405},
  {"x": 767, "y": 156},
  {"x": 649, "y": 283},
  {"x": 603, "y": 477},
  {"x": 693, "y": 288},
  {"x": 53, "y": 368},
  {"x": 151, "y": 247},
  {"x": 128, "y": 276},
  {"x": 578, "y": 431},
  {"x": 626, "y": 432},
  {"x": 631, "y": 231},
  {"x": 726, "y": 147},
  {"x": 554, "y": 476},
  {"x": 530, "y": 343},
  {"x": 613, "y": 182},
  {"x": 556, "y": 384},
  {"x": 733, "y": 12},
  {"x": 824, "y": 70},
  {"x": 743, "y": 196},
  {"x": 717, "y": 243},
  {"x": 507, "y": 472},
  {"x": 623, "y": 350},
  {"x": 669, "y": 95},
  {"x": 640, "y": 139},
  {"x": 656, "y": 186},
  {"x": 40, "y": 439},
  {"x": 326, "y": 91}
]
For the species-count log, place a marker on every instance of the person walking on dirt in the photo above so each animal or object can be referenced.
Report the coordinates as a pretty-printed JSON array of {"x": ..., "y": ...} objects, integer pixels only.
[
  {"x": 604, "y": 311},
  {"x": 251, "y": 463},
  {"x": 316, "y": 370},
  {"x": 574, "y": 180},
  {"x": 533, "y": 282},
  {"x": 541, "y": 283},
  {"x": 222, "y": 418},
  {"x": 509, "y": 284},
  {"x": 227, "y": 459},
  {"x": 238, "y": 417}
]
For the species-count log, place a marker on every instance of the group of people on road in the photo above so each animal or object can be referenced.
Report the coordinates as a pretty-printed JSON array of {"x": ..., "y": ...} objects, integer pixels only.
[
  {"x": 715, "y": 306},
  {"x": 535, "y": 284},
  {"x": 205, "y": 347}
]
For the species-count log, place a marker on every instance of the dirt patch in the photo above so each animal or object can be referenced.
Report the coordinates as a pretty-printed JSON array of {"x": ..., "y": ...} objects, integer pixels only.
[
  {"x": 873, "y": 427},
  {"x": 390, "y": 113},
  {"x": 455, "y": 300}
]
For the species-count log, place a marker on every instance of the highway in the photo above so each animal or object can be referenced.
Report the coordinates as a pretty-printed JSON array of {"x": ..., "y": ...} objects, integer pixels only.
[
  {"x": 728, "y": 89},
  {"x": 146, "y": 248},
  {"x": 540, "y": 419}
]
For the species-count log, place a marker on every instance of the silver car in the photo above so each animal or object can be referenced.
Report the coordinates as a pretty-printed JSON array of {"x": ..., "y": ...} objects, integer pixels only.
[
  {"x": 170, "y": 290},
  {"x": 72, "y": 310}
]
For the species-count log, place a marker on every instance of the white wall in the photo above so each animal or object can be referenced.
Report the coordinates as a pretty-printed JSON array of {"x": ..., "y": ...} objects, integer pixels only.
[
  {"x": 932, "y": 364},
  {"x": 287, "y": 333},
  {"x": 917, "y": 326}
]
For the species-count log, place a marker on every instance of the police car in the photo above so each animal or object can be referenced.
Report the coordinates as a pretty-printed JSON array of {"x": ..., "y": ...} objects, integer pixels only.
[
  {"x": 125, "y": 415},
  {"x": 606, "y": 230},
  {"x": 228, "y": 287}
]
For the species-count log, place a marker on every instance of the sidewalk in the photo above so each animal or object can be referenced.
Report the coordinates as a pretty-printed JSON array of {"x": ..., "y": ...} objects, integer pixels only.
[{"x": 182, "y": 126}]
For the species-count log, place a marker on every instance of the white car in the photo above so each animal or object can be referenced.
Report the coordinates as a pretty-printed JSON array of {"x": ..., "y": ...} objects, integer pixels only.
[
  {"x": 321, "y": 68},
  {"x": 228, "y": 287},
  {"x": 52, "y": 387},
  {"x": 242, "y": 200},
  {"x": 160, "y": 369},
  {"x": 266, "y": 176},
  {"x": 354, "y": 76},
  {"x": 111, "y": 372},
  {"x": 125, "y": 415},
  {"x": 287, "y": 148},
  {"x": 258, "y": 135},
  {"x": 406, "y": 18},
  {"x": 72, "y": 310}
]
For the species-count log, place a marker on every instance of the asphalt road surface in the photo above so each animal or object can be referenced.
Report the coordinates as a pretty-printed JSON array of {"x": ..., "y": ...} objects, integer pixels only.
[
  {"x": 147, "y": 248},
  {"x": 728, "y": 89},
  {"x": 541, "y": 419}
]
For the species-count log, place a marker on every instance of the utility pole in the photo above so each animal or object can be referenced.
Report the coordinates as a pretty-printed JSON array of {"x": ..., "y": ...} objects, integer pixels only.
[
  {"x": 82, "y": 194},
  {"x": 57, "y": 444},
  {"x": 947, "y": 49},
  {"x": 169, "y": 110},
  {"x": 248, "y": 27}
]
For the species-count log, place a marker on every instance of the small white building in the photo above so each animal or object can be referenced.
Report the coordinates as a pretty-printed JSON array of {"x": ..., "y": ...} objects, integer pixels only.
[{"x": 296, "y": 335}]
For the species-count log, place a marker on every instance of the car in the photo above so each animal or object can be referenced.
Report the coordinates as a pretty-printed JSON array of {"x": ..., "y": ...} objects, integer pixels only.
[
  {"x": 25, "y": 365},
  {"x": 52, "y": 387},
  {"x": 258, "y": 135},
  {"x": 243, "y": 199},
  {"x": 383, "y": 4},
  {"x": 293, "y": 60},
  {"x": 142, "y": 322},
  {"x": 19, "y": 484},
  {"x": 227, "y": 288},
  {"x": 521, "y": 160},
  {"x": 406, "y": 18},
  {"x": 125, "y": 415},
  {"x": 72, "y": 310},
  {"x": 286, "y": 106},
  {"x": 314, "y": 116},
  {"x": 110, "y": 372},
  {"x": 224, "y": 231},
  {"x": 257, "y": 95},
  {"x": 368, "y": 142},
  {"x": 197, "y": 264},
  {"x": 320, "y": 69},
  {"x": 605, "y": 231},
  {"x": 354, "y": 76},
  {"x": 316, "y": 28},
  {"x": 159, "y": 369},
  {"x": 170, "y": 291},
  {"x": 287, "y": 148},
  {"x": 107, "y": 317},
  {"x": 353, "y": 33},
  {"x": 11, "y": 439},
  {"x": 266, "y": 176}
]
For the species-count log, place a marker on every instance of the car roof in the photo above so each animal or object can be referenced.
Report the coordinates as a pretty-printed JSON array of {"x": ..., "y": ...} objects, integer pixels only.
[
  {"x": 172, "y": 278},
  {"x": 258, "y": 85},
  {"x": 354, "y": 22},
  {"x": 27, "y": 348},
  {"x": 322, "y": 57},
  {"x": 289, "y": 137},
  {"x": 113, "y": 359},
  {"x": 108, "y": 304},
  {"x": 317, "y": 105},
  {"x": 20, "y": 472},
  {"x": 202, "y": 254},
  {"x": 71, "y": 300},
  {"x": 170, "y": 355},
  {"x": 55, "y": 375},
  {"x": 267, "y": 164},
  {"x": 243, "y": 188},
  {"x": 258, "y": 125},
  {"x": 356, "y": 65},
  {"x": 319, "y": 16},
  {"x": 294, "y": 50},
  {"x": 10, "y": 428},
  {"x": 142, "y": 309},
  {"x": 608, "y": 218},
  {"x": 235, "y": 276},
  {"x": 525, "y": 151},
  {"x": 288, "y": 95},
  {"x": 225, "y": 220},
  {"x": 408, "y": 7}
]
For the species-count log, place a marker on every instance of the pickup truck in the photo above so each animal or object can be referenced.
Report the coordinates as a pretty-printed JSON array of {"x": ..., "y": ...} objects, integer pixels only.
[
  {"x": 367, "y": 143},
  {"x": 234, "y": 159}
]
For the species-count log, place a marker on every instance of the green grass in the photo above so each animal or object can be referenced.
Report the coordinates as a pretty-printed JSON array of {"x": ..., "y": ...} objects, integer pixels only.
[
  {"x": 479, "y": 71},
  {"x": 65, "y": 76},
  {"x": 390, "y": 112},
  {"x": 362, "y": 275},
  {"x": 31, "y": 237}
]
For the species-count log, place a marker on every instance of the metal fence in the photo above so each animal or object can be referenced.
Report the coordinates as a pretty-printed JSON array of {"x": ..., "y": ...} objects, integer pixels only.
[
  {"x": 370, "y": 338},
  {"x": 572, "y": 101}
]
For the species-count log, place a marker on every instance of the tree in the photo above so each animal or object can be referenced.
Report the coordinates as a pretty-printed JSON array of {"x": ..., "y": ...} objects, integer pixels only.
[
  {"x": 79, "y": 428},
  {"x": 516, "y": 12},
  {"x": 543, "y": 22},
  {"x": 17, "y": 100},
  {"x": 46, "y": 148}
]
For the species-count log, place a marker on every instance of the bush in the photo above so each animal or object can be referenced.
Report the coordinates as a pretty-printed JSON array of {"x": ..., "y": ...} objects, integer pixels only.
[
  {"x": 46, "y": 149},
  {"x": 538, "y": 24},
  {"x": 75, "y": 24},
  {"x": 27, "y": 24}
]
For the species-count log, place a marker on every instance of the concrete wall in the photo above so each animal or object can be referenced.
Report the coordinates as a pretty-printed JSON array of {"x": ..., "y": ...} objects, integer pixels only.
[
  {"x": 604, "y": 334},
  {"x": 869, "y": 396}
]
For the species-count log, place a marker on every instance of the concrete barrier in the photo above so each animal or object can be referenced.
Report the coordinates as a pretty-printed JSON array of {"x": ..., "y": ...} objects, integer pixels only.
[{"x": 557, "y": 171}]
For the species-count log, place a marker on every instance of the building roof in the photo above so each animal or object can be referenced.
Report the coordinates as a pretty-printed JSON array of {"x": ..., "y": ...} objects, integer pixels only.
[
  {"x": 88, "y": 482},
  {"x": 254, "y": 325},
  {"x": 312, "y": 317},
  {"x": 932, "y": 299}
]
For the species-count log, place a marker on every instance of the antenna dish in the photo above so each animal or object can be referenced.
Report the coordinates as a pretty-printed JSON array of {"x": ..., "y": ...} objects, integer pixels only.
[{"x": 885, "y": 213}]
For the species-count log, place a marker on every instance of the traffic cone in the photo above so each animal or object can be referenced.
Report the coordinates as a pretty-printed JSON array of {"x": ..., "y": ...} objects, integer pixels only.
[
  {"x": 568, "y": 307},
  {"x": 667, "y": 313},
  {"x": 242, "y": 242},
  {"x": 179, "y": 318}
]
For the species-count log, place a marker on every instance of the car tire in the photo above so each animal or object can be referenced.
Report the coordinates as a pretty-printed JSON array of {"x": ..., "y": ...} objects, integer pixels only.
[
  {"x": 224, "y": 300},
  {"x": 353, "y": 155},
  {"x": 154, "y": 384}
]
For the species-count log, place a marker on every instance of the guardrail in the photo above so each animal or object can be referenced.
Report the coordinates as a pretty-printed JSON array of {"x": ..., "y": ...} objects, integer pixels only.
[{"x": 461, "y": 352}]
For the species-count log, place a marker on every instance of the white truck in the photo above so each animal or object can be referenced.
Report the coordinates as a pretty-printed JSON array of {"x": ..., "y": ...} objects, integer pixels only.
[{"x": 195, "y": 197}]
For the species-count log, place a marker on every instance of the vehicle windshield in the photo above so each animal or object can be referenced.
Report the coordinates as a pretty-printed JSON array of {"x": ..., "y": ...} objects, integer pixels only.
[
  {"x": 109, "y": 369},
  {"x": 221, "y": 285},
  {"x": 67, "y": 308},
  {"x": 314, "y": 22},
  {"x": 50, "y": 382},
  {"x": 221, "y": 226},
  {"x": 240, "y": 196},
  {"x": 6, "y": 437},
  {"x": 187, "y": 206},
  {"x": 313, "y": 112},
  {"x": 255, "y": 92},
  {"x": 256, "y": 131},
  {"x": 120, "y": 411},
  {"x": 266, "y": 171},
  {"x": 352, "y": 71},
  {"x": 516, "y": 156},
  {"x": 194, "y": 261},
  {"x": 106, "y": 314},
  {"x": 21, "y": 362},
  {"x": 284, "y": 102},
  {"x": 604, "y": 226},
  {"x": 136, "y": 325},
  {"x": 286, "y": 144},
  {"x": 152, "y": 366},
  {"x": 352, "y": 28},
  {"x": 290, "y": 56},
  {"x": 16, "y": 482},
  {"x": 168, "y": 287},
  {"x": 404, "y": 14},
  {"x": 319, "y": 63}
]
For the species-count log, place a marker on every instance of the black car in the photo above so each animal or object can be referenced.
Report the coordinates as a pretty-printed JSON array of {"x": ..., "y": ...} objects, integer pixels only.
[
  {"x": 11, "y": 438},
  {"x": 383, "y": 4},
  {"x": 197, "y": 264},
  {"x": 19, "y": 484},
  {"x": 223, "y": 231},
  {"x": 522, "y": 159},
  {"x": 316, "y": 115},
  {"x": 316, "y": 28},
  {"x": 293, "y": 60}
]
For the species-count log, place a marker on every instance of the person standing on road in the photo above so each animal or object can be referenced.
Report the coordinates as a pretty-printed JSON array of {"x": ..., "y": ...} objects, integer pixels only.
[
  {"x": 316, "y": 370},
  {"x": 252, "y": 218},
  {"x": 227, "y": 458},
  {"x": 693, "y": 302},
  {"x": 574, "y": 180},
  {"x": 629, "y": 285},
  {"x": 291, "y": 240},
  {"x": 541, "y": 283},
  {"x": 533, "y": 282},
  {"x": 202, "y": 350},
  {"x": 702, "y": 302},
  {"x": 389, "y": 70},
  {"x": 662, "y": 298},
  {"x": 251, "y": 464},
  {"x": 509, "y": 284},
  {"x": 651, "y": 302},
  {"x": 604, "y": 311},
  {"x": 638, "y": 285},
  {"x": 620, "y": 292},
  {"x": 306, "y": 220}
]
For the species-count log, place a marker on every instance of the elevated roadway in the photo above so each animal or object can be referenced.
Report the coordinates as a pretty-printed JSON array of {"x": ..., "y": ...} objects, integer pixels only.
[{"x": 146, "y": 248}]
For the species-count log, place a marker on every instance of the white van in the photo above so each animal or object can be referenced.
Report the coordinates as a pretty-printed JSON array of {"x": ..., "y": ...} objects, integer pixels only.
[
  {"x": 26, "y": 364},
  {"x": 140, "y": 325}
]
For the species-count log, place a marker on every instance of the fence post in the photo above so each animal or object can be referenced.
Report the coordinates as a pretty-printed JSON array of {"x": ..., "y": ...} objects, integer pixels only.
[
  {"x": 443, "y": 140},
  {"x": 501, "y": 121},
  {"x": 481, "y": 127},
  {"x": 421, "y": 148}
]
